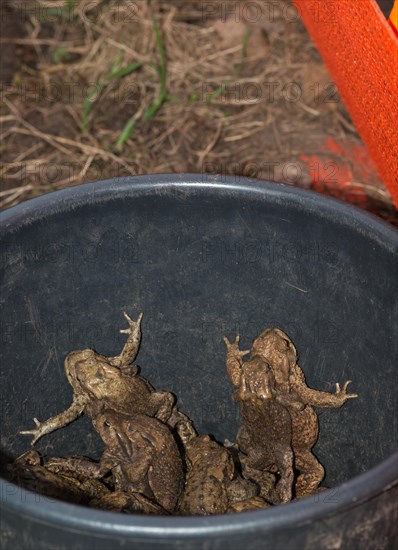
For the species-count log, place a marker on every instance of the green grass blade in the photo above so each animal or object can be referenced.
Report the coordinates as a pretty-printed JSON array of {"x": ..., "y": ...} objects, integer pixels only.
[
  {"x": 89, "y": 102},
  {"x": 124, "y": 71},
  {"x": 127, "y": 132},
  {"x": 162, "y": 70},
  {"x": 161, "y": 50},
  {"x": 60, "y": 54},
  {"x": 243, "y": 52},
  {"x": 216, "y": 94},
  {"x": 117, "y": 62},
  {"x": 97, "y": 89},
  {"x": 245, "y": 42},
  {"x": 65, "y": 11}
]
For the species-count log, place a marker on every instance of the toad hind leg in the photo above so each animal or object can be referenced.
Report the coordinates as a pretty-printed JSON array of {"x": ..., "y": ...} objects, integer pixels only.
[
  {"x": 311, "y": 472},
  {"x": 284, "y": 486},
  {"x": 164, "y": 403}
]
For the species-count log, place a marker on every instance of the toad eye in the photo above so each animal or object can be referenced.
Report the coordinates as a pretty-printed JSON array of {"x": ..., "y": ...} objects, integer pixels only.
[{"x": 286, "y": 342}]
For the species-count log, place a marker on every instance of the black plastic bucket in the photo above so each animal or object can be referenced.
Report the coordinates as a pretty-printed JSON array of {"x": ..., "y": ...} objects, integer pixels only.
[{"x": 203, "y": 256}]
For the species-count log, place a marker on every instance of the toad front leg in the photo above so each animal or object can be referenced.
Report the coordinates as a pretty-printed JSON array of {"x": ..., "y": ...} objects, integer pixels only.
[
  {"x": 130, "y": 349},
  {"x": 56, "y": 422},
  {"x": 234, "y": 361},
  {"x": 319, "y": 398}
]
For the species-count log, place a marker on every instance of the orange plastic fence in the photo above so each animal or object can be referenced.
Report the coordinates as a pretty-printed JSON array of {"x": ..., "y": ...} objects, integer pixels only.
[
  {"x": 361, "y": 51},
  {"x": 393, "y": 20}
]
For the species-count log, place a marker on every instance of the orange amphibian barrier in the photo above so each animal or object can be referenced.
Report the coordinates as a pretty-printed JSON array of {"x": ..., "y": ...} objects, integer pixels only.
[
  {"x": 393, "y": 20},
  {"x": 361, "y": 51}
]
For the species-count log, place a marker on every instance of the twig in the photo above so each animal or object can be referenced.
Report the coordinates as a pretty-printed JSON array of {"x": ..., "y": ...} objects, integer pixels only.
[{"x": 210, "y": 146}]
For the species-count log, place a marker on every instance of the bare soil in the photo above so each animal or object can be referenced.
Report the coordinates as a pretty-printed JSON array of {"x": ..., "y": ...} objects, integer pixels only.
[{"x": 244, "y": 91}]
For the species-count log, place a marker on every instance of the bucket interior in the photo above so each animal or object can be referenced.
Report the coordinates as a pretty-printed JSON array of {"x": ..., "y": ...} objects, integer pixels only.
[{"x": 201, "y": 263}]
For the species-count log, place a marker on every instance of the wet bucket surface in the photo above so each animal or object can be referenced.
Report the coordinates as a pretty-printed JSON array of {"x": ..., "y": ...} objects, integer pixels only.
[{"x": 202, "y": 256}]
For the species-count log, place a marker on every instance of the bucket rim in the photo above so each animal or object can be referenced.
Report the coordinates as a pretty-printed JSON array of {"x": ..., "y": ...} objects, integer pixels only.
[{"x": 114, "y": 188}]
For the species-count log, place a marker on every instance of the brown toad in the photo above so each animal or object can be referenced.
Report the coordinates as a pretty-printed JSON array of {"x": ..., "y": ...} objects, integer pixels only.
[
  {"x": 290, "y": 390},
  {"x": 83, "y": 472},
  {"x": 250, "y": 504},
  {"x": 101, "y": 383},
  {"x": 243, "y": 495},
  {"x": 60, "y": 482},
  {"x": 209, "y": 468},
  {"x": 266, "y": 432},
  {"x": 212, "y": 485},
  {"x": 143, "y": 456},
  {"x": 130, "y": 503}
]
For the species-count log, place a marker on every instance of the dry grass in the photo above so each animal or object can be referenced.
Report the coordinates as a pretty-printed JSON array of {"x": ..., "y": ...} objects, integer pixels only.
[{"x": 218, "y": 114}]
